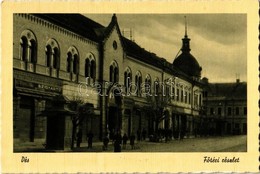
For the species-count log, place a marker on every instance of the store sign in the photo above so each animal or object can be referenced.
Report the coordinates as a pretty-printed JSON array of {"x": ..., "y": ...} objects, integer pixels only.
[{"x": 37, "y": 86}]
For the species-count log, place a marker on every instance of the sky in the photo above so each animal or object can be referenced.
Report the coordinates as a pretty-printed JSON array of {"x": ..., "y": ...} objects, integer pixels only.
[{"x": 218, "y": 41}]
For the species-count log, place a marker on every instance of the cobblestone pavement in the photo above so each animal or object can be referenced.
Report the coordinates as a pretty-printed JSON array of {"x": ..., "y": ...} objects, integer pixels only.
[{"x": 204, "y": 144}]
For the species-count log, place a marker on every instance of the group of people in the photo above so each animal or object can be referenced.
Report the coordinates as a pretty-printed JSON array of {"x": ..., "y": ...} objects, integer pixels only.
[
  {"x": 90, "y": 136},
  {"x": 116, "y": 138}
]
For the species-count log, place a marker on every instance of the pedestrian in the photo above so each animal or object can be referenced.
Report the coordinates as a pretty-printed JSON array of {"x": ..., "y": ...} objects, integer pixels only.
[
  {"x": 117, "y": 142},
  {"x": 132, "y": 141},
  {"x": 79, "y": 137},
  {"x": 90, "y": 139},
  {"x": 105, "y": 142},
  {"x": 125, "y": 138}
]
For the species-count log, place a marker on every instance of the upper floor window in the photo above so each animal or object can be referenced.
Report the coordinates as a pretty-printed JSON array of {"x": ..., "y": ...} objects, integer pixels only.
[
  {"x": 178, "y": 94},
  {"x": 28, "y": 47},
  {"x": 127, "y": 79},
  {"x": 52, "y": 54},
  {"x": 90, "y": 66},
  {"x": 113, "y": 72},
  {"x": 156, "y": 86},
  {"x": 73, "y": 60},
  {"x": 138, "y": 82},
  {"x": 148, "y": 84}
]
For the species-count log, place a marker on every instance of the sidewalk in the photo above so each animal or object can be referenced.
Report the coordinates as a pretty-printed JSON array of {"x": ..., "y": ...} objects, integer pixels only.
[{"x": 202, "y": 144}]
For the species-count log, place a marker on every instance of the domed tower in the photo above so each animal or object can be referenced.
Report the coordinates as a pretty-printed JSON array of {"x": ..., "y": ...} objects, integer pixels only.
[{"x": 185, "y": 61}]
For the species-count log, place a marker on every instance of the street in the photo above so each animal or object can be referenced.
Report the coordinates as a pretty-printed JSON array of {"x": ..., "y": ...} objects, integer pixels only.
[{"x": 204, "y": 144}]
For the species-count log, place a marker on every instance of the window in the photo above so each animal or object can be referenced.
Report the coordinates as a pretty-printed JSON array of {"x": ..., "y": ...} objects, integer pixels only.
[
  {"x": 229, "y": 111},
  {"x": 181, "y": 95},
  {"x": 127, "y": 79},
  {"x": 48, "y": 55},
  {"x": 178, "y": 94},
  {"x": 138, "y": 82},
  {"x": 24, "y": 47},
  {"x": 219, "y": 111},
  {"x": 148, "y": 84},
  {"x": 69, "y": 60},
  {"x": 237, "y": 110},
  {"x": 245, "y": 110},
  {"x": 73, "y": 60},
  {"x": 93, "y": 69},
  {"x": 173, "y": 93},
  {"x": 52, "y": 54},
  {"x": 87, "y": 69},
  {"x": 90, "y": 66},
  {"x": 156, "y": 87},
  {"x": 28, "y": 47},
  {"x": 75, "y": 64},
  {"x": 113, "y": 72},
  {"x": 186, "y": 97},
  {"x": 56, "y": 58}
]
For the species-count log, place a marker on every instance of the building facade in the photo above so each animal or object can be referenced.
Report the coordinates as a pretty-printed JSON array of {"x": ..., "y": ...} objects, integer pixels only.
[
  {"x": 73, "y": 56},
  {"x": 225, "y": 108}
]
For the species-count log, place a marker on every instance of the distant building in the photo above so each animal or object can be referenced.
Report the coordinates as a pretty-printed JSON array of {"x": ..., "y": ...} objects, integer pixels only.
[{"x": 225, "y": 107}]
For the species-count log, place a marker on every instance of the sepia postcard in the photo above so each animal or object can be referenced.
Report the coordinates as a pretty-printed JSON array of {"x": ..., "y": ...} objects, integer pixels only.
[{"x": 129, "y": 86}]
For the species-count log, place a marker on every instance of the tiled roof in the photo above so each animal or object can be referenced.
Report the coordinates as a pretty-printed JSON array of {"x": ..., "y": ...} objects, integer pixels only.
[
  {"x": 74, "y": 22},
  {"x": 228, "y": 90}
]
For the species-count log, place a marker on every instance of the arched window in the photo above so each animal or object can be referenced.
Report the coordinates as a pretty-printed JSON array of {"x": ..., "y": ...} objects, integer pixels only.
[
  {"x": 138, "y": 82},
  {"x": 93, "y": 69},
  {"x": 127, "y": 79},
  {"x": 148, "y": 84},
  {"x": 48, "y": 53},
  {"x": 33, "y": 56},
  {"x": 73, "y": 60},
  {"x": 28, "y": 47},
  {"x": 113, "y": 73},
  {"x": 52, "y": 54},
  {"x": 87, "y": 69},
  {"x": 156, "y": 86},
  {"x": 75, "y": 64},
  {"x": 69, "y": 60},
  {"x": 24, "y": 47}
]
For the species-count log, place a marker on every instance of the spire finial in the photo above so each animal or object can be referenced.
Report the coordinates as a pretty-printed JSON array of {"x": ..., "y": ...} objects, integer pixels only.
[{"x": 185, "y": 26}]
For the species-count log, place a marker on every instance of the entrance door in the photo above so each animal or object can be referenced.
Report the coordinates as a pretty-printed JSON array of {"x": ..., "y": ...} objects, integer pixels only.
[
  {"x": 114, "y": 123},
  {"x": 55, "y": 132}
]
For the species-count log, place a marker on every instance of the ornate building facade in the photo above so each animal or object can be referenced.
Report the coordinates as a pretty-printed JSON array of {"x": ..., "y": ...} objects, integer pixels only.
[{"x": 73, "y": 56}]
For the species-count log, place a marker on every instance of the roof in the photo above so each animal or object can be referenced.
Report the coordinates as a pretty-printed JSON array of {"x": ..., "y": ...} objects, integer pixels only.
[
  {"x": 92, "y": 30},
  {"x": 76, "y": 23},
  {"x": 236, "y": 90},
  {"x": 188, "y": 64}
]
